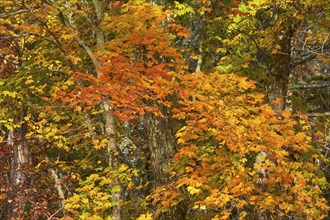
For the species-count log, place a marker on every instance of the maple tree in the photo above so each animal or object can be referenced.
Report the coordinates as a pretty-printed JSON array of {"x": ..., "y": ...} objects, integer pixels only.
[
  {"x": 105, "y": 113},
  {"x": 250, "y": 45},
  {"x": 226, "y": 128}
]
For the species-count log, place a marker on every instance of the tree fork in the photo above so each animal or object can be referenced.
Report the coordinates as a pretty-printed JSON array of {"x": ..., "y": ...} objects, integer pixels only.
[{"x": 110, "y": 127}]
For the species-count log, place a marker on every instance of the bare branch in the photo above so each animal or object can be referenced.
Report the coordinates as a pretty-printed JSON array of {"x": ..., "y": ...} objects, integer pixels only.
[
  {"x": 81, "y": 42},
  {"x": 295, "y": 63},
  {"x": 14, "y": 13},
  {"x": 310, "y": 86},
  {"x": 323, "y": 114},
  {"x": 14, "y": 36},
  {"x": 51, "y": 217}
]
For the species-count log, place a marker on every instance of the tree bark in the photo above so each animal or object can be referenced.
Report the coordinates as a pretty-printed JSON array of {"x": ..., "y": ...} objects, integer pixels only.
[
  {"x": 21, "y": 158},
  {"x": 162, "y": 146},
  {"x": 279, "y": 73},
  {"x": 59, "y": 189},
  {"x": 110, "y": 130},
  {"x": 279, "y": 70}
]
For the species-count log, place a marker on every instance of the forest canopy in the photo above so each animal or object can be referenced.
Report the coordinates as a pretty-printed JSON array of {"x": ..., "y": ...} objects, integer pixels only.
[{"x": 167, "y": 110}]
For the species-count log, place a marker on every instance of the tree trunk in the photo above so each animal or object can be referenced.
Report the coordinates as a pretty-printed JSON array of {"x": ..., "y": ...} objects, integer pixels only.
[
  {"x": 279, "y": 71},
  {"x": 21, "y": 158},
  {"x": 58, "y": 186},
  {"x": 110, "y": 130},
  {"x": 110, "y": 127},
  {"x": 162, "y": 146}
]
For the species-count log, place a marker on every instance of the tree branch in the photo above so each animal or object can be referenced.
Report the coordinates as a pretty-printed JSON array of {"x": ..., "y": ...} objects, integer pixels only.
[
  {"x": 310, "y": 86},
  {"x": 81, "y": 43},
  {"x": 14, "y": 13},
  {"x": 322, "y": 114}
]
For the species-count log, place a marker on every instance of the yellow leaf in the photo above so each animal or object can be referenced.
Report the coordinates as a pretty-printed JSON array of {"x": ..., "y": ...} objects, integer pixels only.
[
  {"x": 202, "y": 207},
  {"x": 283, "y": 205},
  {"x": 100, "y": 144},
  {"x": 286, "y": 113},
  {"x": 85, "y": 200},
  {"x": 67, "y": 36},
  {"x": 274, "y": 51},
  {"x": 73, "y": 59},
  {"x": 243, "y": 84},
  {"x": 147, "y": 216},
  {"x": 192, "y": 190},
  {"x": 29, "y": 81},
  {"x": 194, "y": 57},
  {"x": 78, "y": 108}
]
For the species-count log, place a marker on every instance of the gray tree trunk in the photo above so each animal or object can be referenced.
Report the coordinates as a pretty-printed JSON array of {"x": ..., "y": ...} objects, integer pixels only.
[{"x": 21, "y": 159}]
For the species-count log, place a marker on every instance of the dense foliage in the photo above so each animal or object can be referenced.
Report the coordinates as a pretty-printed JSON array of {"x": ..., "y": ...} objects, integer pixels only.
[{"x": 199, "y": 109}]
